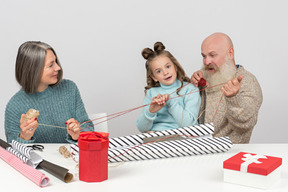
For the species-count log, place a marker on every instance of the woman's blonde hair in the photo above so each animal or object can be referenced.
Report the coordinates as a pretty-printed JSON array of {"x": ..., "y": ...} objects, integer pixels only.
[
  {"x": 150, "y": 55},
  {"x": 30, "y": 63}
]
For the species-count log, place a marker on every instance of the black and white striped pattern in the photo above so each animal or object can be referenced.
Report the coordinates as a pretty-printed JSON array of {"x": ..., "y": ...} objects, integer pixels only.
[
  {"x": 74, "y": 150},
  {"x": 133, "y": 140},
  {"x": 18, "y": 154},
  {"x": 167, "y": 149},
  {"x": 21, "y": 148},
  {"x": 27, "y": 155},
  {"x": 132, "y": 148}
]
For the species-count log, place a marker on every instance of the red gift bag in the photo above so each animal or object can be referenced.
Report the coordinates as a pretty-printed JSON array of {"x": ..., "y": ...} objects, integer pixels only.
[{"x": 93, "y": 156}]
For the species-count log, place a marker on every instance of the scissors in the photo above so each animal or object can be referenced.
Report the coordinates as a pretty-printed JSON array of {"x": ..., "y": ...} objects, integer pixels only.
[{"x": 36, "y": 147}]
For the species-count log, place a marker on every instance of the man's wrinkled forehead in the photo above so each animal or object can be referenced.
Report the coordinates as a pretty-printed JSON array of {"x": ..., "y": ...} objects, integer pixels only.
[{"x": 210, "y": 45}]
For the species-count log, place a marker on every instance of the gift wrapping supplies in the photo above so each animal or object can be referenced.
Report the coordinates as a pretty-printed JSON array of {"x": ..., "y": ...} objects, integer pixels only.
[
  {"x": 195, "y": 140},
  {"x": 28, "y": 171},
  {"x": 17, "y": 155}
]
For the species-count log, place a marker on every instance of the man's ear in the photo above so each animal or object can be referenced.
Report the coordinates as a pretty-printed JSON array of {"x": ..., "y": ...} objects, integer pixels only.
[{"x": 231, "y": 53}]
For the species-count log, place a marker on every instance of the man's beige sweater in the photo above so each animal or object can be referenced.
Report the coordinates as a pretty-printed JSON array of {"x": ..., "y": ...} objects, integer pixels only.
[{"x": 237, "y": 115}]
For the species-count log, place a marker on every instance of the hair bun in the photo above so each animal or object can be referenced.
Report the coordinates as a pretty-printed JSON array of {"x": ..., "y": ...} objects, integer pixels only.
[
  {"x": 147, "y": 52},
  {"x": 158, "y": 47}
]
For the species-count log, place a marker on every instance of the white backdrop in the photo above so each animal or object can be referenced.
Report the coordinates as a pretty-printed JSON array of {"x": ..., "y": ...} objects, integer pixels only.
[{"x": 99, "y": 44}]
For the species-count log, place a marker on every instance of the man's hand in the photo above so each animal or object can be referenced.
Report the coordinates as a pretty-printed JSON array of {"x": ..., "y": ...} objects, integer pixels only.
[
  {"x": 232, "y": 87},
  {"x": 196, "y": 78}
]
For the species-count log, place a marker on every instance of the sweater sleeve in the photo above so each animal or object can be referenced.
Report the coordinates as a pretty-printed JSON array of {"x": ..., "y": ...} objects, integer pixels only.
[
  {"x": 146, "y": 119},
  {"x": 242, "y": 109},
  {"x": 80, "y": 114},
  {"x": 187, "y": 113},
  {"x": 12, "y": 124}
]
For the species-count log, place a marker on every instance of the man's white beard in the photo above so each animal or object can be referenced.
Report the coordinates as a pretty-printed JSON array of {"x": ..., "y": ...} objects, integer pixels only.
[{"x": 223, "y": 74}]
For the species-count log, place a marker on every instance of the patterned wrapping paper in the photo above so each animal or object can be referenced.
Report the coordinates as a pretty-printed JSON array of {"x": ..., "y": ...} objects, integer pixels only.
[
  {"x": 25, "y": 154},
  {"x": 167, "y": 149},
  {"x": 202, "y": 130},
  {"x": 196, "y": 140},
  {"x": 31, "y": 173},
  {"x": 55, "y": 170}
]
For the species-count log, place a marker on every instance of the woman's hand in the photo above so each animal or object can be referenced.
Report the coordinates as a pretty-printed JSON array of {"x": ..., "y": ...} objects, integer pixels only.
[
  {"x": 73, "y": 128},
  {"x": 27, "y": 128},
  {"x": 158, "y": 103}
]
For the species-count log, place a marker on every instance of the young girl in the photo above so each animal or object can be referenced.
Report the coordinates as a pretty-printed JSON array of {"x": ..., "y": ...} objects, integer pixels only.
[
  {"x": 166, "y": 79},
  {"x": 58, "y": 101}
]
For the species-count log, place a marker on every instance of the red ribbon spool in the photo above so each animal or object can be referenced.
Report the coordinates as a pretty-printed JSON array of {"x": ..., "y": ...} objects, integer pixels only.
[{"x": 202, "y": 82}]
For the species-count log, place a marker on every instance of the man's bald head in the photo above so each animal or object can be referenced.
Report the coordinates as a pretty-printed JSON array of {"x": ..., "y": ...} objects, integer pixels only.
[
  {"x": 216, "y": 48},
  {"x": 219, "y": 38}
]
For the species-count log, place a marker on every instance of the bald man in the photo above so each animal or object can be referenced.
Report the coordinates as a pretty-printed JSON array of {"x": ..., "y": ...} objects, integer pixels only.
[{"x": 235, "y": 97}]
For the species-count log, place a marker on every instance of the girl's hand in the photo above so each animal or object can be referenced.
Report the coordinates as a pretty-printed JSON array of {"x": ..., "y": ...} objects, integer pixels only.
[
  {"x": 27, "y": 128},
  {"x": 73, "y": 128},
  {"x": 158, "y": 102}
]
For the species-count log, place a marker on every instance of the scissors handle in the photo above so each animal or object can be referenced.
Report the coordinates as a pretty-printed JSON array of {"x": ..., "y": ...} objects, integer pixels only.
[{"x": 36, "y": 147}]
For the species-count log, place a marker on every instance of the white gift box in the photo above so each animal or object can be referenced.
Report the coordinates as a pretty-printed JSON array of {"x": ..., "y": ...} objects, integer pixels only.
[{"x": 252, "y": 170}]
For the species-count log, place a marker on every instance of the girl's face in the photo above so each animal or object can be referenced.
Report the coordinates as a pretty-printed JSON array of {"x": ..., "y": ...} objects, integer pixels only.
[
  {"x": 50, "y": 71},
  {"x": 163, "y": 70}
]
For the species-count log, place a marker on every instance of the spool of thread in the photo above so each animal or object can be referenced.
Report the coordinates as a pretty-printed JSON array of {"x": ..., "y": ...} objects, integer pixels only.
[
  {"x": 31, "y": 114},
  {"x": 64, "y": 151}
]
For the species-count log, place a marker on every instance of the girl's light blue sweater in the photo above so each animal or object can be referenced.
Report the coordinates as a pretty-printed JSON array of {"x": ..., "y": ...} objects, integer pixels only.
[{"x": 178, "y": 112}]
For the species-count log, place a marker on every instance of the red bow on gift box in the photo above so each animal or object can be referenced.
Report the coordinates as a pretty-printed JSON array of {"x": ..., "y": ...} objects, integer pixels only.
[
  {"x": 90, "y": 140},
  {"x": 93, "y": 136}
]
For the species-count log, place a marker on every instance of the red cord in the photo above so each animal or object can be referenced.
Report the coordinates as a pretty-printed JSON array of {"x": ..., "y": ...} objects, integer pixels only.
[{"x": 133, "y": 109}]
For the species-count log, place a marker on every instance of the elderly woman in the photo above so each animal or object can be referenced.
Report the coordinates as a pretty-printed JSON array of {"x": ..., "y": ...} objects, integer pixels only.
[{"x": 58, "y": 101}]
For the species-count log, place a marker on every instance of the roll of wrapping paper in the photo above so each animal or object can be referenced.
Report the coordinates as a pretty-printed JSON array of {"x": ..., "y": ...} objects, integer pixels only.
[
  {"x": 31, "y": 173},
  {"x": 59, "y": 172},
  {"x": 55, "y": 170},
  {"x": 4, "y": 144}
]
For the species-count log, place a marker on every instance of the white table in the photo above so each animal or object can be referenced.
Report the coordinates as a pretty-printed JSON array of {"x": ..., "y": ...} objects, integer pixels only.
[{"x": 192, "y": 173}]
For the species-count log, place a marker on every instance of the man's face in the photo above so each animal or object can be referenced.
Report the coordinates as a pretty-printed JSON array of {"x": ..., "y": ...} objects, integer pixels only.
[
  {"x": 220, "y": 75},
  {"x": 218, "y": 61},
  {"x": 214, "y": 54}
]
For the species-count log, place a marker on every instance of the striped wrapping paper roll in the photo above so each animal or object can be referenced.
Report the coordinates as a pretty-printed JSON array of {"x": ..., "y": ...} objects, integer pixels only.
[
  {"x": 25, "y": 154},
  {"x": 33, "y": 174},
  {"x": 133, "y": 148},
  {"x": 18, "y": 154},
  {"x": 24, "y": 150},
  {"x": 191, "y": 131},
  {"x": 167, "y": 149}
]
